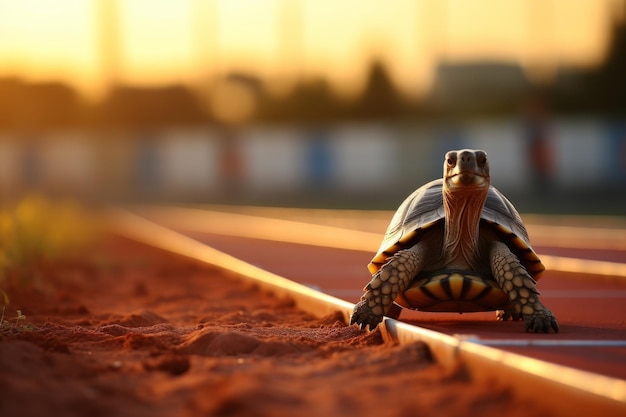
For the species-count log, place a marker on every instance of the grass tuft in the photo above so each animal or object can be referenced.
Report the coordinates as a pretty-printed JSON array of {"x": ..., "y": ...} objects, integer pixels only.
[{"x": 36, "y": 232}]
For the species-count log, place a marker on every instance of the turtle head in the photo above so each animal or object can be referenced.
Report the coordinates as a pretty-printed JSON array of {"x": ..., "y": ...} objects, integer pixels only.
[{"x": 466, "y": 169}]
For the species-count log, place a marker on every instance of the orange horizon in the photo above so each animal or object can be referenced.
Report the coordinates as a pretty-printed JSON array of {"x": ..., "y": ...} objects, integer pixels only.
[{"x": 96, "y": 43}]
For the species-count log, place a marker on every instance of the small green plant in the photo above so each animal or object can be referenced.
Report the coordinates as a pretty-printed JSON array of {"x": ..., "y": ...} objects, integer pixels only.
[
  {"x": 13, "y": 324},
  {"x": 36, "y": 232}
]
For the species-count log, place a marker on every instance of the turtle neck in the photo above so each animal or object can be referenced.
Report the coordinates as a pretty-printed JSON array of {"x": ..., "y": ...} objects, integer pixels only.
[{"x": 463, "y": 212}]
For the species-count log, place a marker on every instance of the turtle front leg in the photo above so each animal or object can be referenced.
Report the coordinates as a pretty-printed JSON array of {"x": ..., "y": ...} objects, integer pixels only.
[
  {"x": 520, "y": 287},
  {"x": 390, "y": 280}
]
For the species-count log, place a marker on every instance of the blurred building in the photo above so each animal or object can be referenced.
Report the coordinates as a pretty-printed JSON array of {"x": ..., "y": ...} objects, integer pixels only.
[
  {"x": 478, "y": 87},
  {"x": 366, "y": 165}
]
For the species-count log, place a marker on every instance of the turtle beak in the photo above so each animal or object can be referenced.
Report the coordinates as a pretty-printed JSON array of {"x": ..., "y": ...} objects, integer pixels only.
[
  {"x": 470, "y": 169},
  {"x": 467, "y": 178}
]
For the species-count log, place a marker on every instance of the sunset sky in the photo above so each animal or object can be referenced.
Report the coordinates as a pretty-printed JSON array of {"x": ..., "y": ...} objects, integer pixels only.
[{"x": 92, "y": 43}]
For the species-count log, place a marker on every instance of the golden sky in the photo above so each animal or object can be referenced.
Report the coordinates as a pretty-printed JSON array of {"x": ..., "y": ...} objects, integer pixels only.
[{"x": 90, "y": 42}]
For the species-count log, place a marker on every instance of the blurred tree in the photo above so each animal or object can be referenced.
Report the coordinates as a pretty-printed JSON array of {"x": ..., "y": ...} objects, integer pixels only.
[
  {"x": 601, "y": 90},
  {"x": 608, "y": 83},
  {"x": 310, "y": 101},
  {"x": 314, "y": 101},
  {"x": 380, "y": 97},
  {"x": 38, "y": 106},
  {"x": 147, "y": 108}
]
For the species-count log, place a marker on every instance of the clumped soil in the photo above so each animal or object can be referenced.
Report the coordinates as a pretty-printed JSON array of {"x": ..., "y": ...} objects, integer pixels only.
[{"x": 123, "y": 329}]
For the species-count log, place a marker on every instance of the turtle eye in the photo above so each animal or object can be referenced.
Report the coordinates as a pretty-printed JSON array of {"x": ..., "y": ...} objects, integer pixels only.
[
  {"x": 481, "y": 159},
  {"x": 451, "y": 160}
]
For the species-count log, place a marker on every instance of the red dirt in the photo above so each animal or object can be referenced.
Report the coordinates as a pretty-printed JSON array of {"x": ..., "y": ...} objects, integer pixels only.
[{"x": 127, "y": 330}]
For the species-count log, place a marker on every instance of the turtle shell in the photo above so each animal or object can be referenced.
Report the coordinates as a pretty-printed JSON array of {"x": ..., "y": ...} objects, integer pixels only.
[{"x": 424, "y": 209}]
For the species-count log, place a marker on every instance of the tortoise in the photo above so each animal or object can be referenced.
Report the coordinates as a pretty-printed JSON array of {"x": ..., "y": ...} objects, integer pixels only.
[{"x": 456, "y": 244}]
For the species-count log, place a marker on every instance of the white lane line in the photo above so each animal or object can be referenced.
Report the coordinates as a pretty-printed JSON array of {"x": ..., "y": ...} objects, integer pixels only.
[
  {"x": 583, "y": 294},
  {"x": 143, "y": 230},
  {"x": 598, "y": 232},
  {"x": 577, "y": 237},
  {"x": 541, "y": 343},
  {"x": 547, "y": 293},
  {"x": 241, "y": 225},
  {"x": 584, "y": 266}
]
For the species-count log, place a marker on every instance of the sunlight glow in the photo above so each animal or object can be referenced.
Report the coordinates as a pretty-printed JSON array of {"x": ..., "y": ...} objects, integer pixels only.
[
  {"x": 51, "y": 39},
  {"x": 191, "y": 41},
  {"x": 158, "y": 37}
]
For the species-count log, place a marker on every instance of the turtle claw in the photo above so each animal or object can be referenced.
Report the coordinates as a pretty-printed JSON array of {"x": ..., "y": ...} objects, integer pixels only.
[
  {"x": 364, "y": 316},
  {"x": 537, "y": 322},
  {"x": 541, "y": 322}
]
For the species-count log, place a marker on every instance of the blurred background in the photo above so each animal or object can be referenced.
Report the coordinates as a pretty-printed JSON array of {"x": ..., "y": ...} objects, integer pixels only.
[{"x": 349, "y": 103}]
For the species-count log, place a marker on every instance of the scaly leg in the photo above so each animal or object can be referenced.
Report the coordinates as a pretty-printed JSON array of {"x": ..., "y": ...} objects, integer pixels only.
[
  {"x": 520, "y": 287},
  {"x": 391, "y": 279}
]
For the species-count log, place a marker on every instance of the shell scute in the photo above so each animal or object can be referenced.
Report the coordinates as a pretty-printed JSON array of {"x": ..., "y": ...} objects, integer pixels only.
[
  {"x": 423, "y": 210},
  {"x": 419, "y": 211}
]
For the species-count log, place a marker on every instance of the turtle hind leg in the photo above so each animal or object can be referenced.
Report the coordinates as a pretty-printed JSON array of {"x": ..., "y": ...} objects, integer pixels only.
[
  {"x": 390, "y": 280},
  {"x": 520, "y": 288}
]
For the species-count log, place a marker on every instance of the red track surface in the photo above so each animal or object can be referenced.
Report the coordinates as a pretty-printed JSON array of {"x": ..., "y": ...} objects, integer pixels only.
[{"x": 591, "y": 309}]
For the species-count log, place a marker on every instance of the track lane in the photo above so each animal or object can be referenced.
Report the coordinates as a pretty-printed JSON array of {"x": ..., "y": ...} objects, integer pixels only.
[{"x": 590, "y": 309}]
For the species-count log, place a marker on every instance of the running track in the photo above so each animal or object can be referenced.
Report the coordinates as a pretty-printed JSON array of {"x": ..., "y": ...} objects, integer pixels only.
[{"x": 590, "y": 308}]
